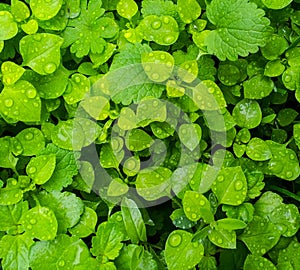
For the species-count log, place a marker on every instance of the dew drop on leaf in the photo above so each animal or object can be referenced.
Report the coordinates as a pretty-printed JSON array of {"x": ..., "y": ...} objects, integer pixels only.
[
  {"x": 50, "y": 68},
  {"x": 8, "y": 102},
  {"x": 175, "y": 240}
]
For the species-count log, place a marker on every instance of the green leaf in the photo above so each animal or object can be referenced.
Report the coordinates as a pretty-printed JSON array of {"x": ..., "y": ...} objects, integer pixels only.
[
  {"x": 15, "y": 251},
  {"x": 150, "y": 110},
  {"x": 11, "y": 72},
  {"x": 117, "y": 188},
  {"x": 12, "y": 193},
  {"x": 190, "y": 135},
  {"x": 132, "y": 166},
  {"x": 19, "y": 10},
  {"x": 284, "y": 162},
  {"x": 230, "y": 186},
  {"x": 11, "y": 214},
  {"x": 65, "y": 168},
  {"x": 223, "y": 238},
  {"x": 154, "y": 183},
  {"x": 243, "y": 212},
  {"x": 110, "y": 158},
  {"x": 45, "y": 10},
  {"x": 31, "y": 27},
  {"x": 158, "y": 65},
  {"x": 86, "y": 225},
  {"x": 247, "y": 114},
  {"x": 20, "y": 102},
  {"x": 8, "y": 26},
  {"x": 254, "y": 262},
  {"x": 290, "y": 254},
  {"x": 275, "y": 46},
  {"x": 32, "y": 141},
  {"x": 258, "y": 87},
  {"x": 274, "y": 68},
  {"x": 7, "y": 158},
  {"x": 180, "y": 220},
  {"x": 260, "y": 236},
  {"x": 41, "y": 168},
  {"x": 107, "y": 242},
  {"x": 286, "y": 116},
  {"x": 208, "y": 96},
  {"x": 133, "y": 221},
  {"x": 163, "y": 30},
  {"x": 230, "y": 224},
  {"x": 64, "y": 252},
  {"x": 276, "y": 4},
  {"x": 258, "y": 150},
  {"x": 77, "y": 87},
  {"x": 158, "y": 7},
  {"x": 127, "y": 76},
  {"x": 188, "y": 10},
  {"x": 45, "y": 58},
  {"x": 235, "y": 34},
  {"x": 181, "y": 252},
  {"x": 40, "y": 222},
  {"x": 97, "y": 107},
  {"x": 66, "y": 207},
  {"x": 196, "y": 206},
  {"x": 138, "y": 140},
  {"x": 74, "y": 134},
  {"x": 127, "y": 8}
]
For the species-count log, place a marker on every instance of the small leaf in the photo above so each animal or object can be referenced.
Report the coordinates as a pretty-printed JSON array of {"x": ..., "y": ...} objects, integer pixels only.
[
  {"x": 258, "y": 150},
  {"x": 97, "y": 107},
  {"x": 196, "y": 206},
  {"x": 41, "y": 168},
  {"x": 45, "y": 10},
  {"x": 258, "y": 87},
  {"x": 260, "y": 236},
  {"x": 138, "y": 140},
  {"x": 45, "y": 58},
  {"x": 230, "y": 187},
  {"x": 40, "y": 222},
  {"x": 276, "y": 4},
  {"x": 12, "y": 193},
  {"x": 107, "y": 242},
  {"x": 8, "y": 27},
  {"x": 181, "y": 252},
  {"x": 254, "y": 262},
  {"x": 247, "y": 114},
  {"x": 154, "y": 183},
  {"x": 11, "y": 72},
  {"x": 223, "y": 238},
  {"x": 127, "y": 8},
  {"x": 133, "y": 221},
  {"x": 190, "y": 135},
  {"x": 188, "y": 10}
]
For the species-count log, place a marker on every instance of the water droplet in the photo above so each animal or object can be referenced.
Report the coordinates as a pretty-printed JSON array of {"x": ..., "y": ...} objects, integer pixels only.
[
  {"x": 169, "y": 39},
  {"x": 166, "y": 20},
  {"x": 175, "y": 240},
  {"x": 195, "y": 244},
  {"x": 32, "y": 221},
  {"x": 29, "y": 136},
  {"x": 14, "y": 182},
  {"x": 77, "y": 79},
  {"x": 238, "y": 185},
  {"x": 50, "y": 68},
  {"x": 8, "y": 102},
  {"x": 155, "y": 103},
  {"x": 37, "y": 37},
  {"x": 202, "y": 202},
  {"x": 263, "y": 251},
  {"x": 61, "y": 263},
  {"x": 156, "y": 24},
  {"x": 220, "y": 178},
  {"x": 219, "y": 241},
  {"x": 155, "y": 76},
  {"x": 194, "y": 216},
  {"x": 31, "y": 170},
  {"x": 287, "y": 78},
  {"x": 188, "y": 209},
  {"x": 119, "y": 218},
  {"x": 289, "y": 174},
  {"x": 31, "y": 93},
  {"x": 29, "y": 227}
]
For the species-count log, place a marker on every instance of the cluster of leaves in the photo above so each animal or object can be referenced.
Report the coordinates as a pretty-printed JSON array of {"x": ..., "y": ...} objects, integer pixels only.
[{"x": 151, "y": 134}]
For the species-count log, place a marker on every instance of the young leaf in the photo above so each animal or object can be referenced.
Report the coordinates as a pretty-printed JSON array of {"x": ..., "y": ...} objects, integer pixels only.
[
  {"x": 40, "y": 222},
  {"x": 20, "y": 102},
  {"x": 196, "y": 206},
  {"x": 11, "y": 72},
  {"x": 154, "y": 183},
  {"x": 254, "y": 262},
  {"x": 181, "y": 252},
  {"x": 223, "y": 238},
  {"x": 15, "y": 251},
  {"x": 62, "y": 252},
  {"x": 12, "y": 193},
  {"x": 188, "y": 10},
  {"x": 107, "y": 242},
  {"x": 41, "y": 168},
  {"x": 235, "y": 34},
  {"x": 258, "y": 150},
  {"x": 133, "y": 221},
  {"x": 260, "y": 236},
  {"x": 8, "y": 26},
  {"x": 45, "y": 58},
  {"x": 45, "y": 10},
  {"x": 66, "y": 207},
  {"x": 127, "y": 8},
  {"x": 230, "y": 186}
]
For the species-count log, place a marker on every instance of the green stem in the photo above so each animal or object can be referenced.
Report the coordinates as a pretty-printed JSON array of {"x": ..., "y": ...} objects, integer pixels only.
[
  {"x": 35, "y": 199},
  {"x": 285, "y": 192},
  {"x": 289, "y": 141}
]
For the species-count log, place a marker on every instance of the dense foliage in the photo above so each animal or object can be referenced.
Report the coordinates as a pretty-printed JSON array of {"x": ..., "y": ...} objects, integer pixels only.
[{"x": 151, "y": 134}]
